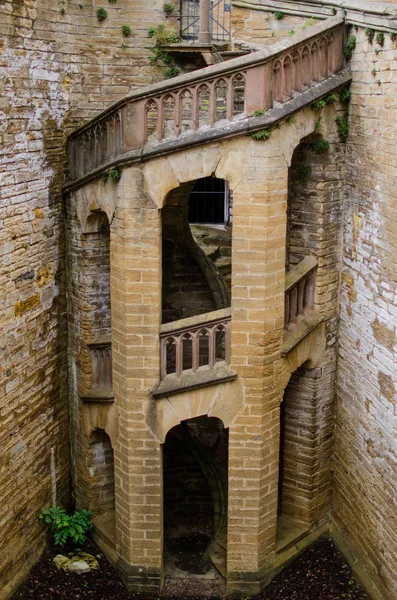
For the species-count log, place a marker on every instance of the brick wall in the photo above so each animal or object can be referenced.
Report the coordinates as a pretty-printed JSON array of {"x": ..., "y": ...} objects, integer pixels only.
[
  {"x": 58, "y": 67},
  {"x": 365, "y": 450}
]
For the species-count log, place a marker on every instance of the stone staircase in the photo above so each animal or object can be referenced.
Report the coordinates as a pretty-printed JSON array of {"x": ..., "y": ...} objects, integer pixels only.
[{"x": 216, "y": 243}]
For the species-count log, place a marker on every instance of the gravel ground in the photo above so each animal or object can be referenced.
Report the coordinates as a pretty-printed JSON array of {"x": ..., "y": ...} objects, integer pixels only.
[{"x": 320, "y": 573}]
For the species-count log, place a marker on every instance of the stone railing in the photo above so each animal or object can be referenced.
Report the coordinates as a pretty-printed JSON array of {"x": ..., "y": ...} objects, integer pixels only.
[
  {"x": 201, "y": 341},
  {"x": 299, "y": 293},
  {"x": 200, "y": 100},
  {"x": 101, "y": 366}
]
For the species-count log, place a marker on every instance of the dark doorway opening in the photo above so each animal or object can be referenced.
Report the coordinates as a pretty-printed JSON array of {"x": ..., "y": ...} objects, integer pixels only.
[{"x": 195, "y": 500}]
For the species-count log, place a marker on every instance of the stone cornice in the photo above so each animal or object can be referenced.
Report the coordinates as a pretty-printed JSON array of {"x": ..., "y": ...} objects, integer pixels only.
[{"x": 377, "y": 15}]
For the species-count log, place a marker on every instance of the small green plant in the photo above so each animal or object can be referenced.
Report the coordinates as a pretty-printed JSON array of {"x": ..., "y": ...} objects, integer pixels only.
[
  {"x": 380, "y": 38},
  {"x": 303, "y": 173},
  {"x": 317, "y": 125},
  {"x": 290, "y": 119},
  {"x": 262, "y": 134},
  {"x": 278, "y": 15},
  {"x": 320, "y": 104},
  {"x": 333, "y": 11},
  {"x": 123, "y": 45},
  {"x": 67, "y": 527},
  {"x": 349, "y": 47},
  {"x": 370, "y": 33},
  {"x": 258, "y": 113},
  {"x": 393, "y": 36},
  {"x": 168, "y": 8},
  {"x": 291, "y": 32},
  {"x": 343, "y": 126},
  {"x": 101, "y": 14},
  {"x": 112, "y": 1},
  {"x": 159, "y": 54},
  {"x": 80, "y": 6},
  {"x": 162, "y": 34},
  {"x": 321, "y": 146},
  {"x": 379, "y": 82},
  {"x": 151, "y": 31},
  {"x": 374, "y": 71},
  {"x": 345, "y": 95},
  {"x": 126, "y": 30},
  {"x": 172, "y": 71},
  {"x": 113, "y": 174}
]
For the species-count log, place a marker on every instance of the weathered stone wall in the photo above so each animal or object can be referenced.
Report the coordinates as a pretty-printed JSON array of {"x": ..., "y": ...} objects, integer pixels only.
[
  {"x": 365, "y": 485},
  {"x": 261, "y": 28},
  {"x": 58, "y": 66}
]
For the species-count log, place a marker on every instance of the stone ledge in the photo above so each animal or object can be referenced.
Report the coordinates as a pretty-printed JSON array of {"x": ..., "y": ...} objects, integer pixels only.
[
  {"x": 103, "y": 396},
  {"x": 381, "y": 16},
  {"x": 292, "y": 338},
  {"x": 188, "y": 380}
]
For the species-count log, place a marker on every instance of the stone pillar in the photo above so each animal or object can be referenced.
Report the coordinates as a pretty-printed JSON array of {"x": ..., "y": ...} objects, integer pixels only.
[
  {"x": 136, "y": 314},
  {"x": 258, "y": 254},
  {"x": 204, "y": 33}
]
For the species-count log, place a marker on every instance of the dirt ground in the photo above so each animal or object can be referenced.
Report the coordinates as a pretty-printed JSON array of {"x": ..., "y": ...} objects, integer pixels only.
[{"x": 320, "y": 573}]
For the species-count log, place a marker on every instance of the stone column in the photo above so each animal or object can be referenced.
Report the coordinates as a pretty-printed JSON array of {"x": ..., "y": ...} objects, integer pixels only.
[
  {"x": 204, "y": 33},
  {"x": 136, "y": 314},
  {"x": 259, "y": 226}
]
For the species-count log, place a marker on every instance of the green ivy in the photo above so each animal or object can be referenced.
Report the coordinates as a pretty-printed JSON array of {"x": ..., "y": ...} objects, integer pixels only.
[
  {"x": 68, "y": 527},
  {"x": 343, "y": 126},
  {"x": 168, "y": 8},
  {"x": 321, "y": 146},
  {"x": 345, "y": 95},
  {"x": 303, "y": 173},
  {"x": 380, "y": 38},
  {"x": 320, "y": 104},
  {"x": 113, "y": 174},
  {"x": 262, "y": 134},
  {"x": 101, "y": 14},
  {"x": 370, "y": 33},
  {"x": 349, "y": 47}
]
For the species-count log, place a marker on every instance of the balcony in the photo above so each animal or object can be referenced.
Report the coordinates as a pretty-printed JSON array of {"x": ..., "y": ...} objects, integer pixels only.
[
  {"x": 300, "y": 317},
  {"x": 195, "y": 352}
]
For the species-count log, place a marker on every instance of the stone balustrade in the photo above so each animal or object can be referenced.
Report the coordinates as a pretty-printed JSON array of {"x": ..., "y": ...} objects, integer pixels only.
[
  {"x": 227, "y": 92},
  {"x": 299, "y": 293},
  {"x": 195, "y": 342}
]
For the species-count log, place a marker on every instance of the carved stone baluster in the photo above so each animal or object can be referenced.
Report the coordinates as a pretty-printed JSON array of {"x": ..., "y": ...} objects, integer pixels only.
[
  {"x": 227, "y": 342},
  {"x": 195, "y": 350},
  {"x": 211, "y": 346},
  {"x": 301, "y": 296},
  {"x": 293, "y": 296},
  {"x": 286, "y": 310},
  {"x": 212, "y": 110},
  {"x": 309, "y": 291},
  {"x": 179, "y": 354}
]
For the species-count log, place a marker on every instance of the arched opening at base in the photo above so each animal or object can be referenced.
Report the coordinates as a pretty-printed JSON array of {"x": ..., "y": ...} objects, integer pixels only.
[{"x": 195, "y": 501}]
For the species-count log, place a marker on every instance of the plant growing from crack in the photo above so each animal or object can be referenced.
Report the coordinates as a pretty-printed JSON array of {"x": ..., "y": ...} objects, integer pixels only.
[
  {"x": 168, "y": 8},
  {"x": 321, "y": 146},
  {"x": 370, "y": 33},
  {"x": 126, "y": 30},
  {"x": 112, "y": 174},
  {"x": 278, "y": 15},
  {"x": 349, "y": 47},
  {"x": 262, "y": 134},
  {"x": 303, "y": 173},
  {"x": 101, "y": 14}
]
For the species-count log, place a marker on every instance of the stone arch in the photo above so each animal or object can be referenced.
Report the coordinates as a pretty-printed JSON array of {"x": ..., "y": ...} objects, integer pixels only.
[{"x": 195, "y": 457}]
